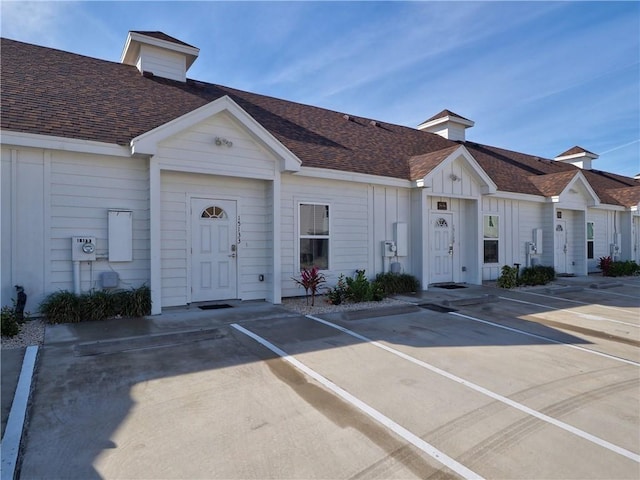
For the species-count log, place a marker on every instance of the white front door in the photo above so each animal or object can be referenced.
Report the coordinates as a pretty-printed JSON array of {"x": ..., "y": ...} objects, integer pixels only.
[
  {"x": 213, "y": 249},
  {"x": 561, "y": 246},
  {"x": 442, "y": 248}
]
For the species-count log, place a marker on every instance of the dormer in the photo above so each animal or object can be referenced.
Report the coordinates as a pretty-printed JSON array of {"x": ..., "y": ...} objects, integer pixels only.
[
  {"x": 159, "y": 54},
  {"x": 578, "y": 156},
  {"x": 448, "y": 125}
]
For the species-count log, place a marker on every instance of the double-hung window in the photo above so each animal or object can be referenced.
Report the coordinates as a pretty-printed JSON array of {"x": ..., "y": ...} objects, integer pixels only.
[
  {"x": 314, "y": 235},
  {"x": 491, "y": 238},
  {"x": 590, "y": 254}
]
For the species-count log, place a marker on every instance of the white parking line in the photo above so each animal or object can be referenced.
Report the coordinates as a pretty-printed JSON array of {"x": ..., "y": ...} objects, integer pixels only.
[
  {"x": 547, "y": 339},
  {"x": 609, "y": 292},
  {"x": 496, "y": 396},
  {"x": 586, "y": 316},
  {"x": 578, "y": 302},
  {"x": 360, "y": 405}
]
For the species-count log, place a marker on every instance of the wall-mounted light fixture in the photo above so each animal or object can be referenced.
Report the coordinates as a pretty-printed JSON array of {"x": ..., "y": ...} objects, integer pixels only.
[
  {"x": 454, "y": 177},
  {"x": 221, "y": 141}
]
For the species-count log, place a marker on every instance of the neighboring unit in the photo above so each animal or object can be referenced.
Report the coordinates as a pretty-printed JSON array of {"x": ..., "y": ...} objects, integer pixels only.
[{"x": 121, "y": 174}]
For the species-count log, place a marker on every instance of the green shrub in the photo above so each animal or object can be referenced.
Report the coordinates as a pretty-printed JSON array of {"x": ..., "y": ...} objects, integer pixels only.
[
  {"x": 623, "y": 269},
  {"x": 61, "y": 307},
  {"x": 9, "y": 322},
  {"x": 338, "y": 294},
  {"x": 360, "y": 289},
  {"x": 139, "y": 302},
  {"x": 96, "y": 305},
  {"x": 508, "y": 277},
  {"x": 392, "y": 283},
  {"x": 67, "y": 307},
  {"x": 537, "y": 275}
]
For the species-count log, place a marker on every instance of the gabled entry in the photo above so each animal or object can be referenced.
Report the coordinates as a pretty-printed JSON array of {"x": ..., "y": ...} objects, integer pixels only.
[{"x": 213, "y": 249}]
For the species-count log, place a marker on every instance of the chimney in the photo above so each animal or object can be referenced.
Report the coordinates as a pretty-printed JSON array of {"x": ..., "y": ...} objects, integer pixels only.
[
  {"x": 159, "y": 54},
  {"x": 448, "y": 125},
  {"x": 578, "y": 156}
]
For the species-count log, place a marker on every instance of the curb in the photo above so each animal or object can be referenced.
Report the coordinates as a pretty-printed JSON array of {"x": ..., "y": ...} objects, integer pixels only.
[{"x": 15, "y": 423}]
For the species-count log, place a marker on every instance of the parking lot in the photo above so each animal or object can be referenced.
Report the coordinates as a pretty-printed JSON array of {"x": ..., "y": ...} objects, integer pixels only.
[{"x": 475, "y": 382}]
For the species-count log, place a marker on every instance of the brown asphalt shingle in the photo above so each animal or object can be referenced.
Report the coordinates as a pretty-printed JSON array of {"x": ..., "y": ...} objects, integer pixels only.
[{"x": 51, "y": 92}]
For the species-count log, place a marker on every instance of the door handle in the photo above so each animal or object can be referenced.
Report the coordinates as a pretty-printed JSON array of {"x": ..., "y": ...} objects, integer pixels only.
[{"x": 451, "y": 249}]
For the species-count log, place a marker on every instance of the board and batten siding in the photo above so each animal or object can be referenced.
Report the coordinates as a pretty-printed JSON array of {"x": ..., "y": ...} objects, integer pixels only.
[
  {"x": 361, "y": 217},
  {"x": 254, "y": 254},
  {"x": 51, "y": 196},
  {"x": 517, "y": 220},
  {"x": 455, "y": 180}
]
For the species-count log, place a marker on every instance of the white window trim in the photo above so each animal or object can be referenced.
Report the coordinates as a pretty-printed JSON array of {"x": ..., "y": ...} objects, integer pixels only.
[
  {"x": 497, "y": 239},
  {"x": 299, "y": 236}
]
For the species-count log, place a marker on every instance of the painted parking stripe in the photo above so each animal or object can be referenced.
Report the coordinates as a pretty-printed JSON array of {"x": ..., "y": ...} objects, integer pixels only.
[
  {"x": 579, "y": 302},
  {"x": 609, "y": 292},
  {"x": 496, "y": 396},
  {"x": 547, "y": 339},
  {"x": 578, "y": 314},
  {"x": 415, "y": 440}
]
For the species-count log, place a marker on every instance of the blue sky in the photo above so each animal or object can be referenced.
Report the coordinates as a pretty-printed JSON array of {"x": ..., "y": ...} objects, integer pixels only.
[{"x": 536, "y": 77}]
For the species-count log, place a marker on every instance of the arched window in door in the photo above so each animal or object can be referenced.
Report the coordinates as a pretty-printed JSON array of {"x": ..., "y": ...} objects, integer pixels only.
[{"x": 213, "y": 212}]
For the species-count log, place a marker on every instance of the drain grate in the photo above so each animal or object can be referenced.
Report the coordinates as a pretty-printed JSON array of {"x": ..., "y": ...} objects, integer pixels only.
[
  {"x": 451, "y": 286},
  {"x": 217, "y": 306},
  {"x": 437, "y": 308}
]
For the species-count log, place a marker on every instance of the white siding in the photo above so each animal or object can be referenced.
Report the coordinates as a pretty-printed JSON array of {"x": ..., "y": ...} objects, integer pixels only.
[
  {"x": 361, "y": 217},
  {"x": 162, "y": 63},
  {"x": 455, "y": 179},
  {"x": 254, "y": 252},
  {"x": 83, "y": 189},
  {"x": 194, "y": 150},
  {"x": 517, "y": 219},
  {"x": 24, "y": 208},
  {"x": 50, "y": 196}
]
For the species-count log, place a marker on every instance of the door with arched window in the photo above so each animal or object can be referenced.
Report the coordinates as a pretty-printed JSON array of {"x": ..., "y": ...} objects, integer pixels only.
[
  {"x": 441, "y": 248},
  {"x": 214, "y": 253}
]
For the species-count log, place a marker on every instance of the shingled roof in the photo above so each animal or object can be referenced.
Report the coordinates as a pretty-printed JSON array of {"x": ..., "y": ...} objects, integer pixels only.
[{"x": 52, "y": 92}]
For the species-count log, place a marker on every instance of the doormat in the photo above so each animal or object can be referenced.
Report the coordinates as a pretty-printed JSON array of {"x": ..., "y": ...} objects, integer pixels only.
[
  {"x": 451, "y": 286},
  {"x": 215, "y": 307},
  {"x": 437, "y": 308}
]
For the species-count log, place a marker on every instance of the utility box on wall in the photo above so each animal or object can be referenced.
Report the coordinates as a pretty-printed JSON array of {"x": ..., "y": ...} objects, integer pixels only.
[
  {"x": 120, "y": 235},
  {"x": 400, "y": 236}
]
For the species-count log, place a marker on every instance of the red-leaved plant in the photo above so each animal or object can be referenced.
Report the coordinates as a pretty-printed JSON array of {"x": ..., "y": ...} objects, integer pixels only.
[
  {"x": 605, "y": 265},
  {"x": 311, "y": 281}
]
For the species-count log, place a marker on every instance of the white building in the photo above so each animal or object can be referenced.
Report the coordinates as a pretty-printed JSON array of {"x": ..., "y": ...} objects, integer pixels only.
[{"x": 204, "y": 192}]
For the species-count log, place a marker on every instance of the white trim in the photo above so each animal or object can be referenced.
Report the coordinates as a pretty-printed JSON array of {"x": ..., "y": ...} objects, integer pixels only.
[
  {"x": 525, "y": 197},
  {"x": 147, "y": 143},
  {"x": 580, "y": 177},
  {"x": 130, "y": 55},
  {"x": 50, "y": 142},
  {"x": 489, "y": 186},
  {"x": 276, "y": 254},
  {"x": 155, "y": 235},
  {"x": 299, "y": 237},
  {"x": 329, "y": 174},
  {"x": 448, "y": 118}
]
